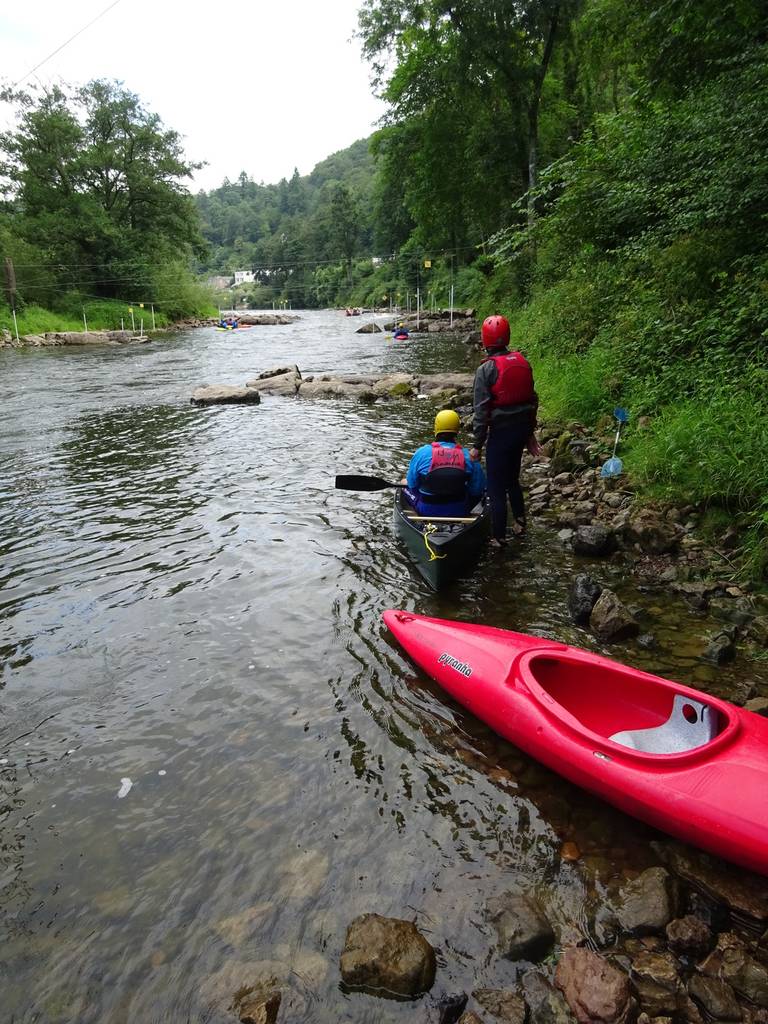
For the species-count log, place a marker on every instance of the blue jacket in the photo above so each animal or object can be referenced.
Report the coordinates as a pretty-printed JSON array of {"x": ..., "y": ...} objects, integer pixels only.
[{"x": 418, "y": 469}]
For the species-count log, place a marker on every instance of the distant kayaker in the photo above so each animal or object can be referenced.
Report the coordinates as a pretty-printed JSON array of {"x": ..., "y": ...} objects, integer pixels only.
[
  {"x": 442, "y": 479},
  {"x": 505, "y": 406}
]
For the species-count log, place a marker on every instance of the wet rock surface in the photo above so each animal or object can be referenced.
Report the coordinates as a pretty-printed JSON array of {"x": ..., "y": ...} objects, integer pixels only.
[
  {"x": 220, "y": 394},
  {"x": 647, "y": 904},
  {"x": 595, "y": 990},
  {"x": 387, "y": 955},
  {"x": 611, "y": 620}
]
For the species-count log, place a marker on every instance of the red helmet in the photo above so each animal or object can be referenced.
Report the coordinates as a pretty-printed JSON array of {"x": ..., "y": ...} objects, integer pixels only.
[{"x": 495, "y": 332}]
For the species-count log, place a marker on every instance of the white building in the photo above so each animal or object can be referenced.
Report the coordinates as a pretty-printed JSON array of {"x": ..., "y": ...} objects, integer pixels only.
[{"x": 244, "y": 277}]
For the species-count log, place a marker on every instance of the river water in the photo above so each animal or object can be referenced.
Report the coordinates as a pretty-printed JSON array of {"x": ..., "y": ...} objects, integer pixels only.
[{"x": 211, "y": 753}]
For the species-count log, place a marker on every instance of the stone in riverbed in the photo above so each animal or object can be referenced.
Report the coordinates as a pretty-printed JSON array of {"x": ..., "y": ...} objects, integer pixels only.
[
  {"x": 595, "y": 539},
  {"x": 220, "y": 394},
  {"x": 657, "y": 984},
  {"x": 732, "y": 963},
  {"x": 582, "y": 598},
  {"x": 596, "y": 991},
  {"x": 524, "y": 932},
  {"x": 720, "y": 649},
  {"x": 334, "y": 389},
  {"x": 545, "y": 1004},
  {"x": 388, "y": 955},
  {"x": 280, "y": 380},
  {"x": 612, "y": 620},
  {"x": 507, "y": 1007},
  {"x": 371, "y": 328},
  {"x": 715, "y": 998},
  {"x": 689, "y": 936},
  {"x": 646, "y": 905}
]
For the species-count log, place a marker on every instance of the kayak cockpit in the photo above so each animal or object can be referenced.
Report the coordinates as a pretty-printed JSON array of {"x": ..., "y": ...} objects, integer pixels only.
[{"x": 644, "y": 714}]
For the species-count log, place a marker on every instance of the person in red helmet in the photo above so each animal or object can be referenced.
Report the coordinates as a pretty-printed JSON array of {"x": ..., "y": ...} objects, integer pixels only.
[{"x": 505, "y": 406}]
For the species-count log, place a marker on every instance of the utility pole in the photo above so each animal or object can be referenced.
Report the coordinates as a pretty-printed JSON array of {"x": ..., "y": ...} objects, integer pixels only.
[{"x": 10, "y": 288}]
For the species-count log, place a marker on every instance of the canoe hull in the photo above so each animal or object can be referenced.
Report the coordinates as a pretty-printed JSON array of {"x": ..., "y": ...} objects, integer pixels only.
[
  {"x": 457, "y": 547},
  {"x": 714, "y": 796}
]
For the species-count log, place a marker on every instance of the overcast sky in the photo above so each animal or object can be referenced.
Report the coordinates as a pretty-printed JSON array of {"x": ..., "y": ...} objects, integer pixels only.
[{"x": 251, "y": 85}]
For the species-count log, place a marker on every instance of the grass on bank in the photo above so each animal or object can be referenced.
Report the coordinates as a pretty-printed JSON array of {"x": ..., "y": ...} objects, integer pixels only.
[{"x": 100, "y": 315}]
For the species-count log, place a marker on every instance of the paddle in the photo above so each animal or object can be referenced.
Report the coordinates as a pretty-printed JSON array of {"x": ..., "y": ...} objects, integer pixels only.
[
  {"x": 363, "y": 483},
  {"x": 614, "y": 466}
]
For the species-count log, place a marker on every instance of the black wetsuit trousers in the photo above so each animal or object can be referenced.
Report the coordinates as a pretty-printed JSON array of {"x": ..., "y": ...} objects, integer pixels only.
[{"x": 503, "y": 454}]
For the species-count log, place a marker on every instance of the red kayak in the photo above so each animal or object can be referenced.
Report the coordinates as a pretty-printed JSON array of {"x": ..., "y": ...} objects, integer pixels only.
[{"x": 680, "y": 760}]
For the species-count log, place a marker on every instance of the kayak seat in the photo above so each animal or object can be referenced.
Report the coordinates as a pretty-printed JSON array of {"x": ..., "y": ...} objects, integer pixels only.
[{"x": 691, "y": 724}]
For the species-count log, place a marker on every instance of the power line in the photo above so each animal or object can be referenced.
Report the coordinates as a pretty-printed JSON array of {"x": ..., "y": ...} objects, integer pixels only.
[{"x": 68, "y": 41}]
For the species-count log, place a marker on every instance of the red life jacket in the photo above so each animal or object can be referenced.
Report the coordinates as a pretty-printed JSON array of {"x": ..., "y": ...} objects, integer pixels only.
[
  {"x": 446, "y": 458},
  {"x": 514, "y": 384}
]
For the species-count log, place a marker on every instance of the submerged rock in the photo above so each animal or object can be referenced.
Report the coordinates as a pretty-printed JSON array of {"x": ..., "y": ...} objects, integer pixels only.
[
  {"x": 744, "y": 893},
  {"x": 507, "y": 1007},
  {"x": 732, "y": 962},
  {"x": 523, "y": 931},
  {"x": 657, "y": 984},
  {"x": 647, "y": 903},
  {"x": 545, "y": 1004},
  {"x": 596, "y": 991},
  {"x": 715, "y": 998},
  {"x": 689, "y": 936},
  {"x": 388, "y": 955}
]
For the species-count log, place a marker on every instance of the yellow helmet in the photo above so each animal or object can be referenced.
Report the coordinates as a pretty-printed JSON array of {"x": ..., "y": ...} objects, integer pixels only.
[{"x": 447, "y": 422}]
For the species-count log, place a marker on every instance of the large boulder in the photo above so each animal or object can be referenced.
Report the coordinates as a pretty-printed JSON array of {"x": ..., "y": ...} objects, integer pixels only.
[
  {"x": 81, "y": 337},
  {"x": 612, "y": 620},
  {"x": 221, "y": 394},
  {"x": 280, "y": 380},
  {"x": 388, "y": 955},
  {"x": 371, "y": 328},
  {"x": 523, "y": 931},
  {"x": 334, "y": 389},
  {"x": 596, "y": 991}
]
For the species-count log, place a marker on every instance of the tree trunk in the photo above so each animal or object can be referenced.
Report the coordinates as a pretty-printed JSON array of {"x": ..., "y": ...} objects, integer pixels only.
[{"x": 533, "y": 113}]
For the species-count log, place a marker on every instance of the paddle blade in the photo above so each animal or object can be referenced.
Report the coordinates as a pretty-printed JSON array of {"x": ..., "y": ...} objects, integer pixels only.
[
  {"x": 612, "y": 467},
  {"x": 363, "y": 483},
  {"x": 621, "y": 414}
]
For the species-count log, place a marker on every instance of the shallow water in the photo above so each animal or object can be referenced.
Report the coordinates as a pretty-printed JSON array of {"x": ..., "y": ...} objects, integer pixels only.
[{"x": 187, "y": 603}]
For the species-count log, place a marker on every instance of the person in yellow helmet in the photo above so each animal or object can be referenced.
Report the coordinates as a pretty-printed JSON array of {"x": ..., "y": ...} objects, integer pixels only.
[{"x": 442, "y": 480}]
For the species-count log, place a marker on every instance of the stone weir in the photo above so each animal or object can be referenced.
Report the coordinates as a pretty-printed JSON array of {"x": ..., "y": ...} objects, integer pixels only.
[
  {"x": 53, "y": 338},
  {"x": 289, "y": 382}
]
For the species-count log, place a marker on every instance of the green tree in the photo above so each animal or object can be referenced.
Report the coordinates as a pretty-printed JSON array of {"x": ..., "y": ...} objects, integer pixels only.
[{"x": 100, "y": 179}]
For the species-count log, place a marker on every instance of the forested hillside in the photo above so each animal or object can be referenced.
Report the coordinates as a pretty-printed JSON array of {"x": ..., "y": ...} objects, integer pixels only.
[{"x": 300, "y": 235}]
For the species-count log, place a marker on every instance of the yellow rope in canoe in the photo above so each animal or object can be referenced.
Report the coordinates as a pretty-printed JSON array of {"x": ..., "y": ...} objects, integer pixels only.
[{"x": 433, "y": 555}]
